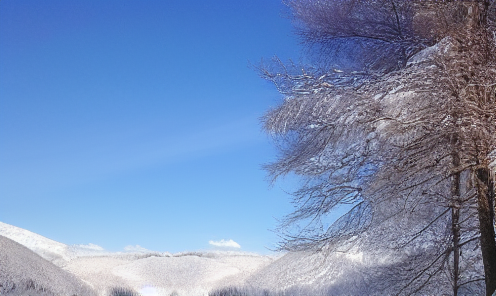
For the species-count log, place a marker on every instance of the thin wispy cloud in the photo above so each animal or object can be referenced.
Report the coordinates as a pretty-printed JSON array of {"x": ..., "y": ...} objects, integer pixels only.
[
  {"x": 90, "y": 246},
  {"x": 113, "y": 153},
  {"x": 136, "y": 248},
  {"x": 225, "y": 244}
]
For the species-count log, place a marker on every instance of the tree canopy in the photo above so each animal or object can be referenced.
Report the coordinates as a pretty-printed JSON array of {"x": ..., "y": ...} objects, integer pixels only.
[{"x": 404, "y": 131}]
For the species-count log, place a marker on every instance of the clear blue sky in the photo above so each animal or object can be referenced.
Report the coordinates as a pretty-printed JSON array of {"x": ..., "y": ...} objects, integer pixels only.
[{"x": 137, "y": 122}]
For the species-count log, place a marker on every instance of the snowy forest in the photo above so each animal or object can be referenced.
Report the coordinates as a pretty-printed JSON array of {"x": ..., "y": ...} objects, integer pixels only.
[{"x": 395, "y": 116}]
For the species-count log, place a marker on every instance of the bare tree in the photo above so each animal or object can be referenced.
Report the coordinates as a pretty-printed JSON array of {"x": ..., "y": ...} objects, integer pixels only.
[{"x": 407, "y": 133}]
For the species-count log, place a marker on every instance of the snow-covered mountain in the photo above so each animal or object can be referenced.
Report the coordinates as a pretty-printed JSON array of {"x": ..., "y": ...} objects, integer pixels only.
[{"x": 147, "y": 272}]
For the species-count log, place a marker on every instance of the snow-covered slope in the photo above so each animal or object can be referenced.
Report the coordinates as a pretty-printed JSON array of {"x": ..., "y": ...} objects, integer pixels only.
[
  {"x": 49, "y": 249},
  {"x": 311, "y": 271},
  {"x": 23, "y": 272},
  {"x": 187, "y": 274}
]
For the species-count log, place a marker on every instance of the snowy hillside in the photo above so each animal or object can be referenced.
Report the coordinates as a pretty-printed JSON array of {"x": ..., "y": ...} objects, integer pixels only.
[
  {"x": 49, "y": 249},
  {"x": 193, "y": 274},
  {"x": 147, "y": 272},
  {"x": 313, "y": 271},
  {"x": 23, "y": 272}
]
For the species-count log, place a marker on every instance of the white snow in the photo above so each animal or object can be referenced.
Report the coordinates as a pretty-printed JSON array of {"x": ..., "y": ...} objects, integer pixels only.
[
  {"x": 355, "y": 256},
  {"x": 443, "y": 47}
]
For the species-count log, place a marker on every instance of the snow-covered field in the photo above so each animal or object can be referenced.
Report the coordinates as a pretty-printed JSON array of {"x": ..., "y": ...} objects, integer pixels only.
[{"x": 149, "y": 273}]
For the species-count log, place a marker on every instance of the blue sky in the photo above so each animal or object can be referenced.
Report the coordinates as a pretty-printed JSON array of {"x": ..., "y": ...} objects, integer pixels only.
[{"x": 137, "y": 122}]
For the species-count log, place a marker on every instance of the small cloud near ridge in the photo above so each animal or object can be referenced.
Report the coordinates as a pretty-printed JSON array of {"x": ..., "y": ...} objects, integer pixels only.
[
  {"x": 91, "y": 247},
  {"x": 136, "y": 248},
  {"x": 225, "y": 244}
]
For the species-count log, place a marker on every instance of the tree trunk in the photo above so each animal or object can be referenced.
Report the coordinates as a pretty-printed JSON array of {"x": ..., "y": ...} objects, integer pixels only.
[
  {"x": 477, "y": 16},
  {"x": 485, "y": 206},
  {"x": 455, "y": 219},
  {"x": 455, "y": 228}
]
